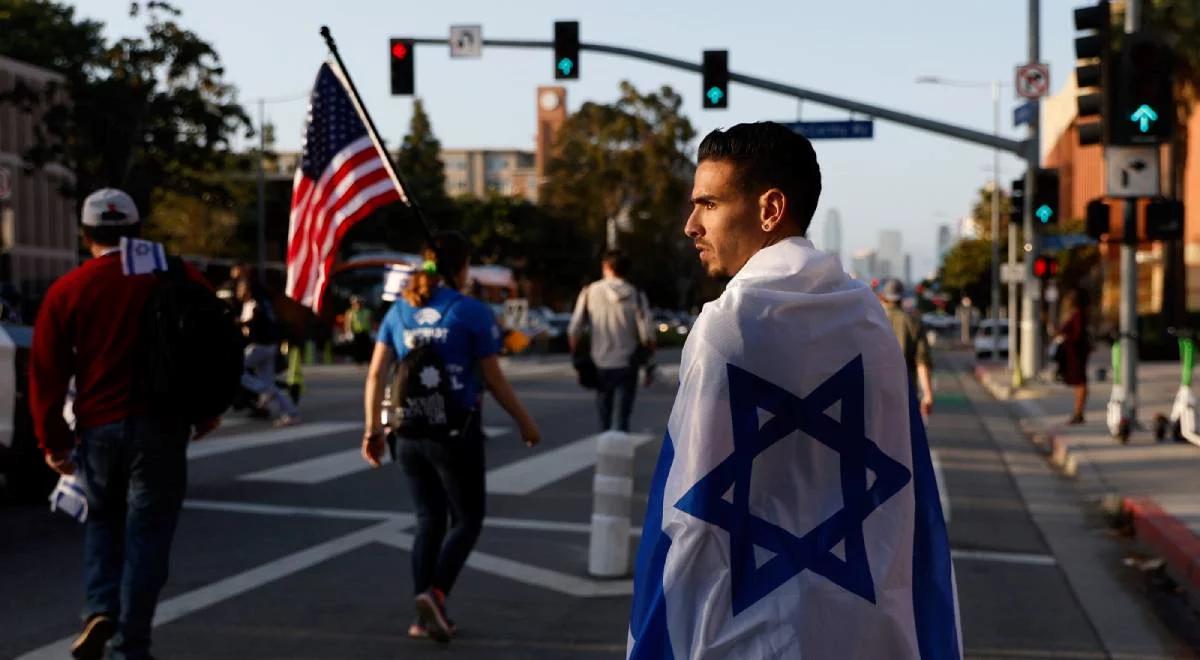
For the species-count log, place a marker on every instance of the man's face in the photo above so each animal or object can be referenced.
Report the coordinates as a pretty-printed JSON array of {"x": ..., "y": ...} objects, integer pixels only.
[{"x": 724, "y": 224}]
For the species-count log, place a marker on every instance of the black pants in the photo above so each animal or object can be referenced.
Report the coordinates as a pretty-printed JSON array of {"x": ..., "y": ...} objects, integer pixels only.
[
  {"x": 619, "y": 384},
  {"x": 446, "y": 479}
]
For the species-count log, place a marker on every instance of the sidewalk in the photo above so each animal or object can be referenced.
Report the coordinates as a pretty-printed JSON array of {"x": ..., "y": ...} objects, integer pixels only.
[{"x": 1157, "y": 485}]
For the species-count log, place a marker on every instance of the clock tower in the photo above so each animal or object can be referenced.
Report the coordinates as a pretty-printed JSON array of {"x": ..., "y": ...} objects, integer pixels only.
[{"x": 551, "y": 113}]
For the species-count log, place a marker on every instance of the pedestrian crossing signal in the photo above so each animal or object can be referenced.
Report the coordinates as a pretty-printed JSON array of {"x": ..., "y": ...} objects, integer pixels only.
[{"x": 566, "y": 50}]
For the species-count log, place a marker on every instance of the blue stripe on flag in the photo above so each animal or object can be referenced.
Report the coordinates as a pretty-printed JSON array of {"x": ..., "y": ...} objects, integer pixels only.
[
  {"x": 160, "y": 256},
  {"x": 127, "y": 253},
  {"x": 648, "y": 618},
  {"x": 933, "y": 586}
]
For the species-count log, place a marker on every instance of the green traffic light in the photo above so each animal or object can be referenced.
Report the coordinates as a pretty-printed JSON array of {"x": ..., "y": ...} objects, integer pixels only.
[
  {"x": 1044, "y": 213},
  {"x": 714, "y": 95},
  {"x": 565, "y": 65},
  {"x": 1143, "y": 117}
]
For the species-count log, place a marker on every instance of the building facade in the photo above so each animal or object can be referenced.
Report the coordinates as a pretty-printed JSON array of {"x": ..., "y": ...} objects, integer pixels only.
[
  {"x": 483, "y": 172},
  {"x": 39, "y": 238},
  {"x": 832, "y": 233}
]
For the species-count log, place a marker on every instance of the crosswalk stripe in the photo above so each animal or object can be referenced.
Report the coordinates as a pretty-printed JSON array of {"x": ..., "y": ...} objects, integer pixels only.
[
  {"x": 225, "y": 444},
  {"x": 527, "y": 475},
  {"x": 330, "y": 466}
]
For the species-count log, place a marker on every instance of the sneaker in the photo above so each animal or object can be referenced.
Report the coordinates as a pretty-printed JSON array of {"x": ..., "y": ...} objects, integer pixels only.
[
  {"x": 91, "y": 642},
  {"x": 286, "y": 420},
  {"x": 417, "y": 630},
  {"x": 431, "y": 611}
]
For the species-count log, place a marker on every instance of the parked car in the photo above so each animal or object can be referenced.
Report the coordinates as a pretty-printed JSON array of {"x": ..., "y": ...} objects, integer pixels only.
[
  {"x": 987, "y": 338},
  {"x": 23, "y": 474}
]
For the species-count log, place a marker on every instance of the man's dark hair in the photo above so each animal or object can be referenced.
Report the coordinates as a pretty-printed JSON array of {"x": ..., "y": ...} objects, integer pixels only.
[
  {"x": 110, "y": 236},
  {"x": 767, "y": 155},
  {"x": 617, "y": 261}
]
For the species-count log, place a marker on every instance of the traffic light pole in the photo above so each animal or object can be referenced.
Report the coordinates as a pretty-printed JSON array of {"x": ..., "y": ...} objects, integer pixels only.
[
  {"x": 941, "y": 128},
  {"x": 1031, "y": 331},
  {"x": 1129, "y": 275}
]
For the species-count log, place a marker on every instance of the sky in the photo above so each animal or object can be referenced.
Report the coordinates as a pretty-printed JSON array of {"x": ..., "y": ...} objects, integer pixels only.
[{"x": 866, "y": 50}]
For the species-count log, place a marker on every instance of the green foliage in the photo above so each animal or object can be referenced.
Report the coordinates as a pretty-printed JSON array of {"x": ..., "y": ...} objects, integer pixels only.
[
  {"x": 150, "y": 114},
  {"x": 421, "y": 166},
  {"x": 981, "y": 212},
  {"x": 966, "y": 271}
]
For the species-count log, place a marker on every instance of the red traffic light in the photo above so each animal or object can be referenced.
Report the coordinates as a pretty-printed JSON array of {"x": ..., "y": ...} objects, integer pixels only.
[
  {"x": 399, "y": 50},
  {"x": 1044, "y": 267}
]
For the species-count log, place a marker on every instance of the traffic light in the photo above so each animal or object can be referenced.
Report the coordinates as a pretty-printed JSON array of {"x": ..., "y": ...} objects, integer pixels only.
[
  {"x": 1018, "y": 201},
  {"x": 716, "y": 79},
  {"x": 1093, "y": 75},
  {"x": 1045, "y": 198},
  {"x": 1164, "y": 220},
  {"x": 566, "y": 50},
  {"x": 400, "y": 53},
  {"x": 1045, "y": 267},
  {"x": 1097, "y": 219},
  {"x": 1144, "y": 106}
]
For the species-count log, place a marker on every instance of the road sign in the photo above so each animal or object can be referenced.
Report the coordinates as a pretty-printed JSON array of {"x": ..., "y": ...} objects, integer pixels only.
[
  {"x": 1012, "y": 273},
  {"x": 833, "y": 130},
  {"x": 1024, "y": 114},
  {"x": 466, "y": 40},
  {"x": 5, "y": 183},
  {"x": 1132, "y": 171},
  {"x": 1033, "y": 80}
]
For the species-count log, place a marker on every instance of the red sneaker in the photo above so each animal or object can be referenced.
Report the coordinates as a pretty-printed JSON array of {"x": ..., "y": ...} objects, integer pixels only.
[{"x": 431, "y": 610}]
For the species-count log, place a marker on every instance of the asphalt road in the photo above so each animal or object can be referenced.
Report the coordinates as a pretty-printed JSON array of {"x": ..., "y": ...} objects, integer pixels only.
[{"x": 290, "y": 547}]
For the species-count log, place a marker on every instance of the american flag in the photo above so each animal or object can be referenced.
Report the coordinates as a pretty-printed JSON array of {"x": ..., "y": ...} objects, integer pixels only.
[{"x": 342, "y": 178}]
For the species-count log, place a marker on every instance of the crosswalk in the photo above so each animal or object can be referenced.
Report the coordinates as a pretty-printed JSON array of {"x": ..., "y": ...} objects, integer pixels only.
[{"x": 520, "y": 477}]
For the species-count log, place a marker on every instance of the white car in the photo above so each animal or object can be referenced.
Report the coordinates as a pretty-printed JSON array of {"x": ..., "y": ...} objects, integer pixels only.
[{"x": 986, "y": 339}]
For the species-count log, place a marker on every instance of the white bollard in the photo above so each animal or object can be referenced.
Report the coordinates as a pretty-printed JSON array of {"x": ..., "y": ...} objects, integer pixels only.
[{"x": 612, "y": 490}]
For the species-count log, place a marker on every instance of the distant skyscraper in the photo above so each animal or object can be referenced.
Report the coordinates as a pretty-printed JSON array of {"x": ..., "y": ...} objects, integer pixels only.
[
  {"x": 908, "y": 269},
  {"x": 945, "y": 240},
  {"x": 863, "y": 265},
  {"x": 890, "y": 260},
  {"x": 832, "y": 235}
]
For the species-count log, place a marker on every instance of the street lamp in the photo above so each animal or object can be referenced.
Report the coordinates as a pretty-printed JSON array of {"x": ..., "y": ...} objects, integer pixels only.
[{"x": 995, "y": 86}]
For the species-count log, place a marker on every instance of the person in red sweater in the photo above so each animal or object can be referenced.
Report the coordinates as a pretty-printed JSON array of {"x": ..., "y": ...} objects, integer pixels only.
[{"x": 132, "y": 464}]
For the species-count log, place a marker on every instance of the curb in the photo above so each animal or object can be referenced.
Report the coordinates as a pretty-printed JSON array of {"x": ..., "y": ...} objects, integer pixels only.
[{"x": 1169, "y": 538}]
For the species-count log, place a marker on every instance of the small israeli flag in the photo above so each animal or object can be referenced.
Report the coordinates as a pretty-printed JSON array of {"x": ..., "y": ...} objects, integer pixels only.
[
  {"x": 139, "y": 257},
  {"x": 794, "y": 511},
  {"x": 68, "y": 497}
]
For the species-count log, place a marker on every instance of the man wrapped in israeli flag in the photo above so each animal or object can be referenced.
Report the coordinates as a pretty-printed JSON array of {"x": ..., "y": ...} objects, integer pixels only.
[{"x": 794, "y": 511}]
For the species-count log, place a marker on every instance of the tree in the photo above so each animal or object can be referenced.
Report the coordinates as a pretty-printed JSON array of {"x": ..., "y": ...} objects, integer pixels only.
[
  {"x": 967, "y": 271},
  {"x": 981, "y": 212},
  {"x": 146, "y": 114},
  {"x": 421, "y": 167},
  {"x": 629, "y": 159}
]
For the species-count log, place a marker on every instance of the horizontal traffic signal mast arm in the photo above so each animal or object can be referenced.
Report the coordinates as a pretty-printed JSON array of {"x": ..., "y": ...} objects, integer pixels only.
[{"x": 1022, "y": 149}]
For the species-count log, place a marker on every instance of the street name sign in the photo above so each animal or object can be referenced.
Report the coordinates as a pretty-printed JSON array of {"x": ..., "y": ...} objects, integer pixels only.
[{"x": 833, "y": 130}]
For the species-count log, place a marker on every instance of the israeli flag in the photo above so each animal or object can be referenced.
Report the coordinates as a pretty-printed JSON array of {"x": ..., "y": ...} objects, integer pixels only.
[
  {"x": 794, "y": 511},
  {"x": 140, "y": 257}
]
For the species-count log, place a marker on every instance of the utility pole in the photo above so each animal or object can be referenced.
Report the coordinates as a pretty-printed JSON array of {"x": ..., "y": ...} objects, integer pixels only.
[
  {"x": 262, "y": 194},
  {"x": 1129, "y": 276},
  {"x": 1031, "y": 331},
  {"x": 996, "y": 224}
]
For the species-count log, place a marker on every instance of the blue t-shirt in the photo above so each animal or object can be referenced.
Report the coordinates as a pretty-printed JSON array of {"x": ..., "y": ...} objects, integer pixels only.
[{"x": 461, "y": 329}]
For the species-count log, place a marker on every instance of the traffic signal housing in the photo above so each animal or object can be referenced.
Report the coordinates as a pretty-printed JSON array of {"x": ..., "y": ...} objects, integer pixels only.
[
  {"x": 716, "y": 79},
  {"x": 1092, "y": 72},
  {"x": 1045, "y": 198},
  {"x": 400, "y": 54},
  {"x": 1164, "y": 220},
  {"x": 1143, "y": 109},
  {"x": 1097, "y": 219},
  {"x": 1045, "y": 267},
  {"x": 1018, "y": 201},
  {"x": 566, "y": 50}
]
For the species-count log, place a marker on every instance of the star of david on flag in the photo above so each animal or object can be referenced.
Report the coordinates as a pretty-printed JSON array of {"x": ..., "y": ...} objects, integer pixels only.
[{"x": 706, "y": 500}]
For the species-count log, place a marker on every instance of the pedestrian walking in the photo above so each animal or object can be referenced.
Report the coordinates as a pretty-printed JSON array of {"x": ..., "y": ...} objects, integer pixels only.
[
  {"x": 128, "y": 448},
  {"x": 441, "y": 341},
  {"x": 793, "y": 512},
  {"x": 914, "y": 344},
  {"x": 621, "y": 339},
  {"x": 357, "y": 325},
  {"x": 1074, "y": 346},
  {"x": 260, "y": 325}
]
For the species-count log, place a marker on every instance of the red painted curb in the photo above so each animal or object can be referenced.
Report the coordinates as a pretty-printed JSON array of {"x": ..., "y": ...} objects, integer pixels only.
[{"x": 1174, "y": 541}]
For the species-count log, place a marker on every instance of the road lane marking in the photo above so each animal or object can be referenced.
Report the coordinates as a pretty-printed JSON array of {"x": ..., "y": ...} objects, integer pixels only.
[
  {"x": 236, "y": 585},
  {"x": 1025, "y": 558},
  {"x": 940, "y": 478},
  {"x": 529, "y": 474},
  {"x": 253, "y": 439},
  {"x": 330, "y": 466}
]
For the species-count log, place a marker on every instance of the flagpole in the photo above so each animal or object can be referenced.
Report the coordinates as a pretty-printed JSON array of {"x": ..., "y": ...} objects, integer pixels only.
[{"x": 373, "y": 133}]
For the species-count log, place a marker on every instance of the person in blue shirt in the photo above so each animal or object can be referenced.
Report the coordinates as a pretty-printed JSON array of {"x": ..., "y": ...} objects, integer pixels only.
[{"x": 445, "y": 474}]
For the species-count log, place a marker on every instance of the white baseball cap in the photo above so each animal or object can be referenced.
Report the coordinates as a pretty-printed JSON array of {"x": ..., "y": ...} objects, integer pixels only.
[{"x": 109, "y": 207}]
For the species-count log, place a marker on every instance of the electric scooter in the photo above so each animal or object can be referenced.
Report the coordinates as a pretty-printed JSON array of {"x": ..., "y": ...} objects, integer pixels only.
[
  {"x": 1182, "y": 420},
  {"x": 1120, "y": 403}
]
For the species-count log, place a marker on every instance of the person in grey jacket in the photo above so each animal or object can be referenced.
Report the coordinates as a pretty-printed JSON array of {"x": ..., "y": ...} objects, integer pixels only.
[{"x": 619, "y": 318}]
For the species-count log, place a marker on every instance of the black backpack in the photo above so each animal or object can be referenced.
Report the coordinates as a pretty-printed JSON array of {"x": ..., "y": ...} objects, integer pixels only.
[
  {"x": 424, "y": 403},
  {"x": 192, "y": 360}
]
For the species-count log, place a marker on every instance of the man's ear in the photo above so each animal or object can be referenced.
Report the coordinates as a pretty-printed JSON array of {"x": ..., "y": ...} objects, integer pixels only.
[{"x": 772, "y": 209}]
